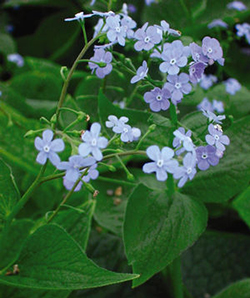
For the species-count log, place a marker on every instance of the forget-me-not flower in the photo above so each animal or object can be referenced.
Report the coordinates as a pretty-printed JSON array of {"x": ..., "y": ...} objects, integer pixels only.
[
  {"x": 147, "y": 37},
  {"x": 162, "y": 162},
  {"x": 182, "y": 138},
  {"x": 93, "y": 142},
  {"x": 197, "y": 54},
  {"x": 187, "y": 171},
  {"x": 217, "y": 23},
  {"x": 48, "y": 148},
  {"x": 158, "y": 99},
  {"x": 178, "y": 85},
  {"x": 102, "y": 57},
  {"x": 243, "y": 30},
  {"x": 205, "y": 105},
  {"x": 175, "y": 56},
  {"x": 80, "y": 16},
  {"x": 69, "y": 184},
  {"x": 16, "y": 58},
  {"x": 207, "y": 81},
  {"x": 116, "y": 32},
  {"x": 206, "y": 156},
  {"x": 114, "y": 121},
  {"x": 217, "y": 138},
  {"x": 72, "y": 167},
  {"x": 128, "y": 24},
  {"x": 212, "y": 117},
  {"x": 141, "y": 73},
  {"x": 237, "y": 5},
  {"x": 232, "y": 86},
  {"x": 196, "y": 71},
  {"x": 211, "y": 48},
  {"x": 218, "y": 106}
]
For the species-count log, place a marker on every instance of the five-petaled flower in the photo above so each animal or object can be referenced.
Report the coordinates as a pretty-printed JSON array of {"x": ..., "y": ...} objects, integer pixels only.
[
  {"x": 93, "y": 142},
  {"x": 48, "y": 148},
  {"x": 141, "y": 73},
  {"x": 162, "y": 162},
  {"x": 206, "y": 156},
  {"x": 217, "y": 138}
]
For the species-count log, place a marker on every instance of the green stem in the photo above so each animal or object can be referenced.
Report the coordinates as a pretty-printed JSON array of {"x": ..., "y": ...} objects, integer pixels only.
[
  {"x": 176, "y": 278},
  {"x": 26, "y": 196},
  {"x": 54, "y": 213},
  {"x": 66, "y": 83}
]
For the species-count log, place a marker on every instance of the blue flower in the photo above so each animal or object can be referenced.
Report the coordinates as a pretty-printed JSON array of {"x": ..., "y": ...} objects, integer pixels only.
[
  {"x": 196, "y": 71},
  {"x": 16, "y": 58},
  {"x": 217, "y": 23},
  {"x": 166, "y": 28},
  {"x": 232, "y": 86},
  {"x": 158, "y": 99},
  {"x": 147, "y": 38},
  {"x": 211, "y": 48},
  {"x": 128, "y": 24},
  {"x": 48, "y": 148},
  {"x": 237, "y": 5},
  {"x": 218, "y": 106},
  {"x": 212, "y": 117},
  {"x": 92, "y": 2},
  {"x": 174, "y": 56},
  {"x": 116, "y": 32},
  {"x": 206, "y": 156},
  {"x": 217, "y": 138},
  {"x": 69, "y": 184},
  {"x": 178, "y": 85},
  {"x": 187, "y": 171},
  {"x": 197, "y": 54},
  {"x": 243, "y": 29},
  {"x": 162, "y": 162},
  {"x": 93, "y": 142},
  {"x": 128, "y": 133},
  {"x": 114, "y": 121},
  {"x": 207, "y": 81},
  {"x": 104, "y": 58},
  {"x": 73, "y": 166},
  {"x": 205, "y": 105},
  {"x": 80, "y": 16},
  {"x": 141, "y": 73},
  {"x": 149, "y": 2},
  {"x": 92, "y": 174},
  {"x": 182, "y": 138}
]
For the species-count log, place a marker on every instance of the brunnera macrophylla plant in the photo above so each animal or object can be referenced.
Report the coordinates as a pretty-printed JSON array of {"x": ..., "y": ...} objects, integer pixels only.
[{"x": 183, "y": 156}]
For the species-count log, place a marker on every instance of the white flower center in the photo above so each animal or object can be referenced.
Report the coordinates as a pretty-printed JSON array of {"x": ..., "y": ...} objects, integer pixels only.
[
  {"x": 158, "y": 97},
  {"x": 160, "y": 163},
  {"x": 46, "y": 148},
  {"x": 147, "y": 39},
  {"x": 210, "y": 50},
  {"x": 189, "y": 171},
  {"x": 172, "y": 61},
  {"x": 125, "y": 130},
  {"x": 118, "y": 29},
  {"x": 197, "y": 56},
  {"x": 178, "y": 85},
  {"x": 193, "y": 70},
  {"x": 216, "y": 137},
  {"x": 204, "y": 156},
  {"x": 93, "y": 142}
]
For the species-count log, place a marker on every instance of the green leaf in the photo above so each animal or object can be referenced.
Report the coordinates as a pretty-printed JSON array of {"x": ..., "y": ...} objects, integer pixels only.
[
  {"x": 14, "y": 148},
  {"x": 156, "y": 230},
  {"x": 77, "y": 222},
  {"x": 110, "y": 209},
  {"x": 11, "y": 243},
  {"x": 52, "y": 260},
  {"x": 7, "y": 44},
  {"x": 231, "y": 176},
  {"x": 215, "y": 261},
  {"x": 242, "y": 205},
  {"x": 9, "y": 194},
  {"x": 239, "y": 289}
]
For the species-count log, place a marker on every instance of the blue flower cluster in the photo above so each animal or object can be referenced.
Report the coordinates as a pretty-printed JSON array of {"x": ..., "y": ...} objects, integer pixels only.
[
  {"x": 77, "y": 164},
  {"x": 202, "y": 157}
]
